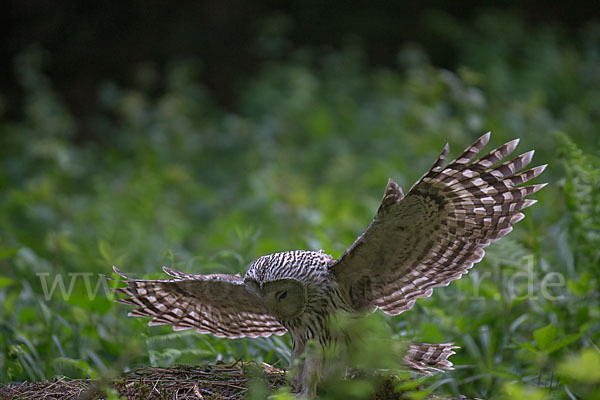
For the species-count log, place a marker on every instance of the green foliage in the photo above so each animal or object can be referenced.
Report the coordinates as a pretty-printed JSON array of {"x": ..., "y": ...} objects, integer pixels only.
[
  {"x": 516, "y": 391},
  {"x": 584, "y": 367},
  {"x": 544, "y": 336},
  {"x": 581, "y": 373},
  {"x": 172, "y": 179}
]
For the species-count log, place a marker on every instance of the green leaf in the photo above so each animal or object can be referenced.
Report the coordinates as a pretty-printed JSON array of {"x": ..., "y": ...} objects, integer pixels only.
[
  {"x": 544, "y": 336},
  {"x": 7, "y": 253},
  {"x": 505, "y": 373},
  {"x": 419, "y": 394},
  {"x": 562, "y": 342},
  {"x": 584, "y": 367},
  {"x": 5, "y": 281},
  {"x": 73, "y": 367},
  {"x": 105, "y": 250},
  {"x": 518, "y": 391},
  {"x": 583, "y": 328},
  {"x": 582, "y": 286},
  {"x": 529, "y": 347},
  {"x": 27, "y": 315}
]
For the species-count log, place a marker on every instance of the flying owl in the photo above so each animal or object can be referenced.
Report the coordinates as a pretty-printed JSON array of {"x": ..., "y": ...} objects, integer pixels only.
[{"x": 424, "y": 239}]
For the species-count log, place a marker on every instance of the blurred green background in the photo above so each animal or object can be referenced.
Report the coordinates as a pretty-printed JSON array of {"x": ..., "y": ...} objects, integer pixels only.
[{"x": 205, "y": 135}]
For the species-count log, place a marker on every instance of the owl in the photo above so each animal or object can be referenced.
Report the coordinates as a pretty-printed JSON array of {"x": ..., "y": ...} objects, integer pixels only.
[{"x": 416, "y": 242}]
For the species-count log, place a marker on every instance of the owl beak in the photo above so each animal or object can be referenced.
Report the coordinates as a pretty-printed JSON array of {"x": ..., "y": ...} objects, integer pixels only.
[{"x": 273, "y": 310}]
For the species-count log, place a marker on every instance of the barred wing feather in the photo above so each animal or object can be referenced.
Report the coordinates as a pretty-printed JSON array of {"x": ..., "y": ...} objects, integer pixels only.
[
  {"x": 435, "y": 233},
  {"x": 218, "y": 304},
  {"x": 427, "y": 357}
]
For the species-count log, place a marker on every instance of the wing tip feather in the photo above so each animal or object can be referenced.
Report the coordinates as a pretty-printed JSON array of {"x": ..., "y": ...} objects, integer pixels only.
[
  {"x": 541, "y": 168},
  {"x": 536, "y": 171},
  {"x": 512, "y": 145},
  {"x": 516, "y": 218},
  {"x": 527, "y": 157},
  {"x": 110, "y": 278},
  {"x": 485, "y": 138},
  {"x": 446, "y": 149},
  {"x": 528, "y": 203},
  {"x": 169, "y": 271},
  {"x": 441, "y": 158},
  {"x": 121, "y": 274}
]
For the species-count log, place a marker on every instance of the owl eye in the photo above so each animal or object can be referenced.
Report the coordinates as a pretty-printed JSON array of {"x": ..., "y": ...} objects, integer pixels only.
[{"x": 281, "y": 295}]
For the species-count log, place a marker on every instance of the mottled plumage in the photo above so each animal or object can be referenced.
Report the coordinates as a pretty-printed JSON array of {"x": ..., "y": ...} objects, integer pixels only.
[{"x": 425, "y": 239}]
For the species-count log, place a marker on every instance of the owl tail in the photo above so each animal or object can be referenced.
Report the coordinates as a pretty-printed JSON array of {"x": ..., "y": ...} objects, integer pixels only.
[{"x": 426, "y": 357}]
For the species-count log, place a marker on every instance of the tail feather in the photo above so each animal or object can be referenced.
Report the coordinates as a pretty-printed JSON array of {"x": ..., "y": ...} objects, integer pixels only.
[{"x": 426, "y": 357}]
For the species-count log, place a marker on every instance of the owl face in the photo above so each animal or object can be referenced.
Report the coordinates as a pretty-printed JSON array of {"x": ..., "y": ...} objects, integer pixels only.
[{"x": 285, "y": 298}]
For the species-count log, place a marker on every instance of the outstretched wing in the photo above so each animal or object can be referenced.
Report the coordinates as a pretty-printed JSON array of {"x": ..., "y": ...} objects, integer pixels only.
[
  {"x": 438, "y": 231},
  {"x": 218, "y": 304}
]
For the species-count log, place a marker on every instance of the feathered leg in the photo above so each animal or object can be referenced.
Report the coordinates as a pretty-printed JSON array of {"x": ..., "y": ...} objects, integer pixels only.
[
  {"x": 297, "y": 364},
  {"x": 308, "y": 370}
]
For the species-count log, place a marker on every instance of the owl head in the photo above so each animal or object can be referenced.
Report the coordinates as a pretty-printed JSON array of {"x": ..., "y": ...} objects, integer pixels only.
[
  {"x": 285, "y": 298},
  {"x": 282, "y": 280}
]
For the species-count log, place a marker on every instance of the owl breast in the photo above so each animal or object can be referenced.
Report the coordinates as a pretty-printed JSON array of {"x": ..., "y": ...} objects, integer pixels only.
[
  {"x": 322, "y": 298},
  {"x": 323, "y": 302}
]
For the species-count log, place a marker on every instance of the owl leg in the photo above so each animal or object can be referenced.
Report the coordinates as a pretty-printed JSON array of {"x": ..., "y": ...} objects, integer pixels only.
[
  {"x": 307, "y": 368},
  {"x": 311, "y": 374},
  {"x": 297, "y": 364}
]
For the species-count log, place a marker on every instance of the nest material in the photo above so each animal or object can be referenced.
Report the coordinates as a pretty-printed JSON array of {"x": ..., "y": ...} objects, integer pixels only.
[
  {"x": 207, "y": 382},
  {"x": 210, "y": 382}
]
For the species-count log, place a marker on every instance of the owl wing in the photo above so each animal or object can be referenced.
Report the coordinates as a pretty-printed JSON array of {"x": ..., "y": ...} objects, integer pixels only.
[
  {"x": 435, "y": 233},
  {"x": 218, "y": 304}
]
